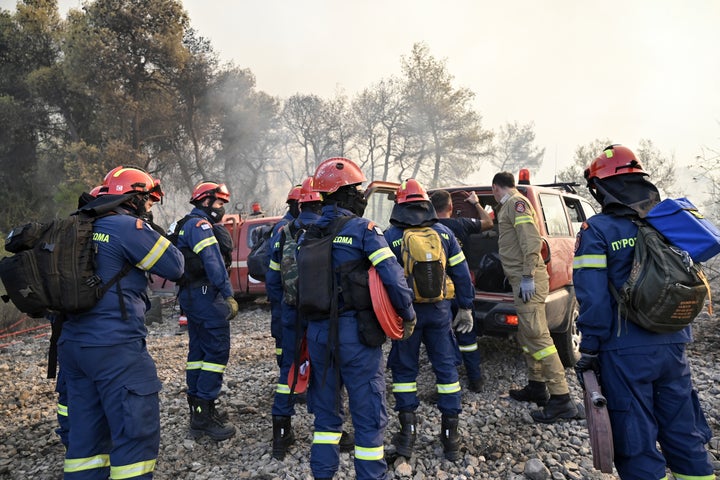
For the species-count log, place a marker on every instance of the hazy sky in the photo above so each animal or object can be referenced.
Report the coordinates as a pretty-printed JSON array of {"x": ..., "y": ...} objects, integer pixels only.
[{"x": 623, "y": 69}]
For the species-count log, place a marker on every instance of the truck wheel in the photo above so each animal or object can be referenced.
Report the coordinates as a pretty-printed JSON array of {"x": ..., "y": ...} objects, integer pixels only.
[{"x": 568, "y": 342}]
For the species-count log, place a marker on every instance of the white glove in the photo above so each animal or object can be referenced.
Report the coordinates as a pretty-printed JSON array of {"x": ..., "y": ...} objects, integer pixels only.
[
  {"x": 463, "y": 322},
  {"x": 527, "y": 288}
]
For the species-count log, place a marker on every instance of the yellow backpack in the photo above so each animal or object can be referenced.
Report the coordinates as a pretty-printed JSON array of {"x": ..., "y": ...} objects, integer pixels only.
[{"x": 424, "y": 261}]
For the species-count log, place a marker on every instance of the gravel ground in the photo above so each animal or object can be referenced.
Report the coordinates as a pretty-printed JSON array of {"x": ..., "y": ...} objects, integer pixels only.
[{"x": 500, "y": 440}]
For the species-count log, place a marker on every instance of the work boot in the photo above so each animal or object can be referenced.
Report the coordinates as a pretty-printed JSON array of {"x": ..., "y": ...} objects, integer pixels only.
[
  {"x": 347, "y": 442},
  {"x": 204, "y": 421},
  {"x": 476, "y": 384},
  {"x": 283, "y": 436},
  {"x": 558, "y": 407},
  {"x": 449, "y": 437},
  {"x": 532, "y": 392},
  {"x": 222, "y": 415},
  {"x": 404, "y": 440}
]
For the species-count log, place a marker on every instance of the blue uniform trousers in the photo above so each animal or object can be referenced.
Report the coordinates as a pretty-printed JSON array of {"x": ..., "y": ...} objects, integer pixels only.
[
  {"x": 284, "y": 403},
  {"x": 434, "y": 329},
  {"x": 276, "y": 329},
  {"x": 650, "y": 396},
  {"x": 115, "y": 430},
  {"x": 63, "y": 429},
  {"x": 361, "y": 371},
  {"x": 470, "y": 354},
  {"x": 209, "y": 340}
]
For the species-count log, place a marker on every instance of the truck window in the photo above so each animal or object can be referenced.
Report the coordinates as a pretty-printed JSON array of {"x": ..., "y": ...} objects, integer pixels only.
[
  {"x": 579, "y": 211},
  {"x": 379, "y": 208},
  {"x": 553, "y": 209}
]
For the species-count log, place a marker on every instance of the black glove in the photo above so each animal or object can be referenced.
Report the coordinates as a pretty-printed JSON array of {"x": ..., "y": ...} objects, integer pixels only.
[{"x": 588, "y": 361}]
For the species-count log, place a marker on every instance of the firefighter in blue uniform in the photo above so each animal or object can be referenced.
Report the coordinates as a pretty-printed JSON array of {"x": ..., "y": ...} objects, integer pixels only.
[
  {"x": 276, "y": 323},
  {"x": 463, "y": 227},
  {"x": 112, "y": 382},
  {"x": 434, "y": 326},
  {"x": 337, "y": 352},
  {"x": 644, "y": 375},
  {"x": 283, "y": 407},
  {"x": 206, "y": 297}
]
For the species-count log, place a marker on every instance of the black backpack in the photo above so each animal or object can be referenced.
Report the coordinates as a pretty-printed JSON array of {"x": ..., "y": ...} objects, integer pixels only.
[
  {"x": 666, "y": 290},
  {"x": 259, "y": 255},
  {"x": 53, "y": 268},
  {"x": 317, "y": 287}
]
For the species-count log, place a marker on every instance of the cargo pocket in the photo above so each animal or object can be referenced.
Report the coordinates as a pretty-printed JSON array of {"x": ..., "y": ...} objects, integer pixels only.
[
  {"x": 141, "y": 407},
  {"x": 626, "y": 431},
  {"x": 701, "y": 424},
  {"x": 377, "y": 389}
]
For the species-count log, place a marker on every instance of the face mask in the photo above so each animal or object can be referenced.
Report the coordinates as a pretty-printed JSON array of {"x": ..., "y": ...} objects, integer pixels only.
[
  {"x": 216, "y": 214},
  {"x": 358, "y": 205}
]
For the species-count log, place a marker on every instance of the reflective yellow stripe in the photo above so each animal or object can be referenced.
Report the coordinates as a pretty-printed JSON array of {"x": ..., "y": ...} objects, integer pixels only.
[
  {"x": 327, "y": 438},
  {"x": 274, "y": 266},
  {"x": 62, "y": 410},
  {"x": 278, "y": 351},
  {"x": 404, "y": 387},
  {"x": 468, "y": 348},
  {"x": 379, "y": 255},
  {"x": 680, "y": 476},
  {"x": 132, "y": 470},
  {"x": 81, "y": 464},
  {"x": 213, "y": 367},
  {"x": 448, "y": 387},
  {"x": 154, "y": 254},
  {"x": 194, "y": 365},
  {"x": 459, "y": 258},
  {"x": 590, "y": 261},
  {"x": 545, "y": 352},
  {"x": 370, "y": 454},
  {"x": 282, "y": 389},
  {"x": 521, "y": 219},
  {"x": 200, "y": 246}
]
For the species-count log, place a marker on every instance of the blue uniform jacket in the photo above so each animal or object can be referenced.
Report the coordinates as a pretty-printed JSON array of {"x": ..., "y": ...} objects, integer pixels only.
[
  {"x": 604, "y": 251},
  {"x": 360, "y": 238},
  {"x": 457, "y": 267},
  {"x": 273, "y": 280},
  {"x": 462, "y": 227},
  {"x": 122, "y": 239},
  {"x": 197, "y": 235}
]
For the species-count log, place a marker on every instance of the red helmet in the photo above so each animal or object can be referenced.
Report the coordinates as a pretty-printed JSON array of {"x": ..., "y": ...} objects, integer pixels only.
[
  {"x": 99, "y": 190},
  {"x": 294, "y": 194},
  {"x": 122, "y": 180},
  {"x": 337, "y": 172},
  {"x": 615, "y": 160},
  {"x": 410, "y": 191},
  {"x": 308, "y": 192},
  {"x": 210, "y": 189},
  {"x": 156, "y": 193}
]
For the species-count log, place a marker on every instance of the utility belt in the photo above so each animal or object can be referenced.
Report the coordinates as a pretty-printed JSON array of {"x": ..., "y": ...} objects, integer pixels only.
[{"x": 186, "y": 282}]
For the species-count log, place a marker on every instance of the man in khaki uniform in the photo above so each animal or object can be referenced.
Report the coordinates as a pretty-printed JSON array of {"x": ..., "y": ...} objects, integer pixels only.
[{"x": 519, "y": 243}]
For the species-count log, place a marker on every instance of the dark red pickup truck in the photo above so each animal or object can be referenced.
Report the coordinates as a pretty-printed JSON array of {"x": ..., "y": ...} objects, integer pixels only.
[
  {"x": 560, "y": 211},
  {"x": 241, "y": 230}
]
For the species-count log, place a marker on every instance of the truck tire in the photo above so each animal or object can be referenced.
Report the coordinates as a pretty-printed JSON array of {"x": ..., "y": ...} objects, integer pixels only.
[{"x": 568, "y": 342}]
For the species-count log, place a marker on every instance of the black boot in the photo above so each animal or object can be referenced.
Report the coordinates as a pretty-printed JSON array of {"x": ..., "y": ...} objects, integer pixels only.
[
  {"x": 450, "y": 437},
  {"x": 283, "y": 436},
  {"x": 204, "y": 421},
  {"x": 558, "y": 407},
  {"x": 404, "y": 440},
  {"x": 222, "y": 415},
  {"x": 532, "y": 392},
  {"x": 347, "y": 442}
]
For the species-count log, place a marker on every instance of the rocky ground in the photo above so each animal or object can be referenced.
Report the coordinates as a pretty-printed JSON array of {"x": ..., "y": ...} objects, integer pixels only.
[{"x": 500, "y": 440}]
